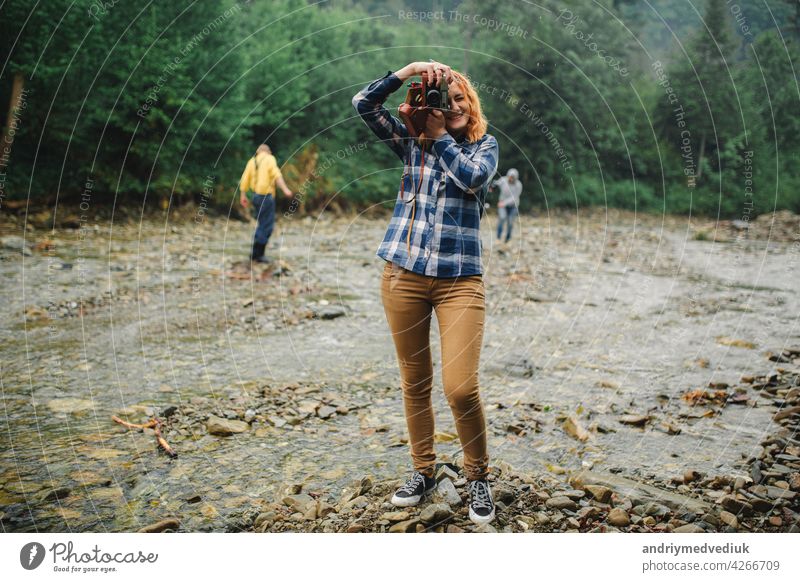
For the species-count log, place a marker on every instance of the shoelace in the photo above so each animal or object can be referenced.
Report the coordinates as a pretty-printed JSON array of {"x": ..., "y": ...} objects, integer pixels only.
[
  {"x": 412, "y": 483},
  {"x": 480, "y": 494}
]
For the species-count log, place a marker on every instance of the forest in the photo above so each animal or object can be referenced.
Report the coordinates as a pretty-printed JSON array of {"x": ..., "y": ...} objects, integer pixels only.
[{"x": 663, "y": 106}]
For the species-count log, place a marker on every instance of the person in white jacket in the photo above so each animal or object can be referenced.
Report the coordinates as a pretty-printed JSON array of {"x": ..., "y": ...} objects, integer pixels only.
[{"x": 508, "y": 204}]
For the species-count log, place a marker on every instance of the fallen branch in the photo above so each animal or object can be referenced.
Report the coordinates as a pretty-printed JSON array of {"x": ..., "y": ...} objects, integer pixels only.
[{"x": 153, "y": 423}]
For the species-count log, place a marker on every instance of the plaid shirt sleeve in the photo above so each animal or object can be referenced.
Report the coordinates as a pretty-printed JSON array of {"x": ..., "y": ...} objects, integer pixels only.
[
  {"x": 470, "y": 171},
  {"x": 369, "y": 104}
]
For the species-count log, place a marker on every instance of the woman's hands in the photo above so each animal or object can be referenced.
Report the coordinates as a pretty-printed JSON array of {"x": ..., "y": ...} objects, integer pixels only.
[
  {"x": 433, "y": 70},
  {"x": 434, "y": 124}
]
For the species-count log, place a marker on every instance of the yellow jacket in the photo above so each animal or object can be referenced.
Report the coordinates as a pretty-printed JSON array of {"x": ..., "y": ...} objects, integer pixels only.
[{"x": 260, "y": 174}]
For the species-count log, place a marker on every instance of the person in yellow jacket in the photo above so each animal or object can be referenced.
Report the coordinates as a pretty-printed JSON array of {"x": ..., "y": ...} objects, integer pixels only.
[{"x": 260, "y": 175}]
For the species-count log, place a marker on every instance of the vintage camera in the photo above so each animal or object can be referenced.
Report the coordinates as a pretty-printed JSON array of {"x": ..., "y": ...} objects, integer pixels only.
[{"x": 421, "y": 99}]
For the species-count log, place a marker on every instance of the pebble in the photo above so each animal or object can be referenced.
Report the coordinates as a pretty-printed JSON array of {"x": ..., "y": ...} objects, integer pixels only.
[
  {"x": 574, "y": 494},
  {"x": 729, "y": 519},
  {"x": 689, "y": 528},
  {"x": 561, "y": 503},
  {"x": 600, "y": 493},
  {"x": 225, "y": 427},
  {"x": 395, "y": 516},
  {"x": 436, "y": 513},
  {"x": 409, "y": 525},
  {"x": 264, "y": 520},
  {"x": 618, "y": 517},
  {"x": 169, "y": 523}
]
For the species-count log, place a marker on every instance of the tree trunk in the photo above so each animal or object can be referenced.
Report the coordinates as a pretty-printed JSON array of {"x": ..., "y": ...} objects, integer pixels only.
[{"x": 13, "y": 106}]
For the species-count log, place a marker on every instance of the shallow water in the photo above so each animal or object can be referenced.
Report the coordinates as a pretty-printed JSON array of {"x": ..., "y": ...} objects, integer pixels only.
[{"x": 592, "y": 316}]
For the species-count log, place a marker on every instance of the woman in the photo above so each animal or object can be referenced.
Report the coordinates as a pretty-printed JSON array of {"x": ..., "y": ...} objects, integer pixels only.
[{"x": 432, "y": 250}]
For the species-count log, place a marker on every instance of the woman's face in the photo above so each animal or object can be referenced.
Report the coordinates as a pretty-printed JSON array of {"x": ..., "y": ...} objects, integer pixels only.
[{"x": 457, "y": 118}]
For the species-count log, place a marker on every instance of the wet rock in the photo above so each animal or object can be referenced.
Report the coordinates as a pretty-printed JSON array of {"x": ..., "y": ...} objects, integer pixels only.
[
  {"x": 618, "y": 517},
  {"x": 436, "y": 513},
  {"x": 169, "y": 523},
  {"x": 70, "y": 405},
  {"x": 225, "y": 427}
]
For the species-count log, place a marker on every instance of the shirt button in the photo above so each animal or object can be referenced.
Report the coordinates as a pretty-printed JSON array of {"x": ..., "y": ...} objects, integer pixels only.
[{"x": 427, "y": 253}]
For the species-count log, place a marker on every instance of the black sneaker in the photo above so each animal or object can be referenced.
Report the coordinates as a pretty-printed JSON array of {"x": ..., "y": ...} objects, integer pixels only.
[
  {"x": 414, "y": 490},
  {"x": 481, "y": 505}
]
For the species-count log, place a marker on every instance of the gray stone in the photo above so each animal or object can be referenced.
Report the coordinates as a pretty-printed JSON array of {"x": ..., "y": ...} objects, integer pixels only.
[
  {"x": 225, "y": 427},
  {"x": 16, "y": 243},
  {"x": 656, "y": 509},
  {"x": 436, "y": 513},
  {"x": 445, "y": 492},
  {"x": 561, "y": 503},
  {"x": 326, "y": 411},
  {"x": 618, "y": 517},
  {"x": 407, "y": 526},
  {"x": 264, "y": 520}
]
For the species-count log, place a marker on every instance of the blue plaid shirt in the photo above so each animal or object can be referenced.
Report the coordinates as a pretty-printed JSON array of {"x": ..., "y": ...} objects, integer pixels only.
[{"x": 445, "y": 231}]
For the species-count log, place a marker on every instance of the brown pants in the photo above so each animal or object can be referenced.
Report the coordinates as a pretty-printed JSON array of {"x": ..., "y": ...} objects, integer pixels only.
[{"x": 459, "y": 302}]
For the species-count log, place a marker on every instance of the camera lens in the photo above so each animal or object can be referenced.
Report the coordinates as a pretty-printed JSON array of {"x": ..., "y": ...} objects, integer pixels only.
[{"x": 433, "y": 98}]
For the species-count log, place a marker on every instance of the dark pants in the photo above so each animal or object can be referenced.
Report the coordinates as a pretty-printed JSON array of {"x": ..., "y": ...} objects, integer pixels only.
[
  {"x": 505, "y": 215},
  {"x": 264, "y": 212}
]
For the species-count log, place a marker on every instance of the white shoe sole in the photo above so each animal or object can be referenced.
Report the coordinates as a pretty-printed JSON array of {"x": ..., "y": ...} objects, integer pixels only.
[
  {"x": 479, "y": 520},
  {"x": 411, "y": 501}
]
